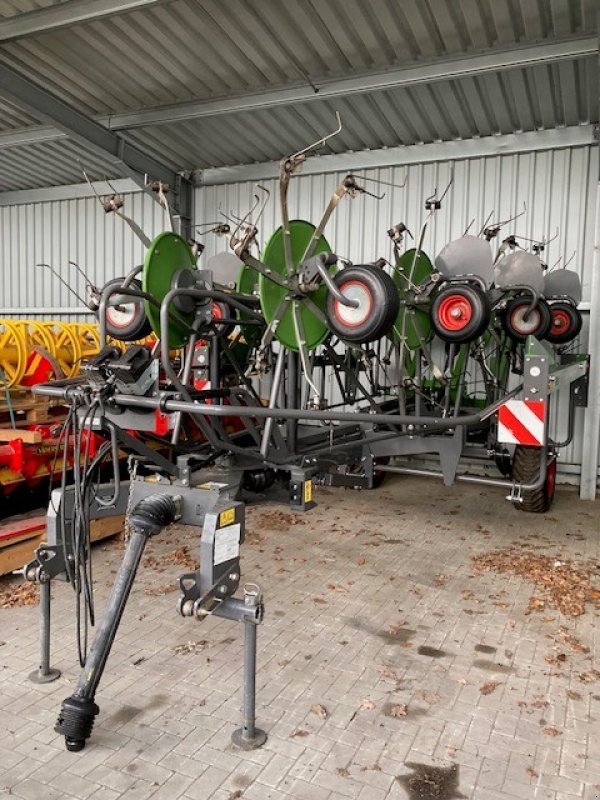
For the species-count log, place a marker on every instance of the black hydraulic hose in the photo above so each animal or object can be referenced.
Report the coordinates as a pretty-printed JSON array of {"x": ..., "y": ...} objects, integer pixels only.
[{"x": 76, "y": 718}]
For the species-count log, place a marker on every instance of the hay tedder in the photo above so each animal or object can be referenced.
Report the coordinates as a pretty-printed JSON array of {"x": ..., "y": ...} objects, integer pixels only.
[{"x": 293, "y": 365}]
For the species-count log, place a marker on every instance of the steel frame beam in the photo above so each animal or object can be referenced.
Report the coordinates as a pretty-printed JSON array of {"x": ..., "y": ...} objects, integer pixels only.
[
  {"x": 63, "y": 15},
  {"x": 574, "y": 136},
  {"x": 410, "y": 75},
  {"x": 504, "y": 144},
  {"x": 127, "y": 157},
  {"x": 440, "y": 70}
]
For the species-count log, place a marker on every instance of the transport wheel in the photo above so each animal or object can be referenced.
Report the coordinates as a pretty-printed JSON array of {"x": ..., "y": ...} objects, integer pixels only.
[
  {"x": 222, "y": 311},
  {"x": 565, "y": 323},
  {"x": 460, "y": 314},
  {"x": 378, "y": 304},
  {"x": 537, "y": 323},
  {"x": 126, "y": 318},
  {"x": 526, "y": 467}
]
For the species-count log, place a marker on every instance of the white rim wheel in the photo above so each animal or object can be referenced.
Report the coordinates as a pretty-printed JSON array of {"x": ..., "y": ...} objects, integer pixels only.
[
  {"x": 525, "y": 327},
  {"x": 348, "y": 315}
]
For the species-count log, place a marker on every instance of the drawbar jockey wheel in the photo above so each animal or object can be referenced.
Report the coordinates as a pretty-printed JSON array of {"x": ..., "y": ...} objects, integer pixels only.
[
  {"x": 460, "y": 313},
  {"x": 375, "y": 304},
  {"x": 565, "y": 323},
  {"x": 519, "y": 325}
]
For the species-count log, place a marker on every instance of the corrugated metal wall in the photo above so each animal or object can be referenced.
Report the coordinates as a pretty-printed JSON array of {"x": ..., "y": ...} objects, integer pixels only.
[
  {"x": 558, "y": 188},
  {"x": 62, "y": 231}
]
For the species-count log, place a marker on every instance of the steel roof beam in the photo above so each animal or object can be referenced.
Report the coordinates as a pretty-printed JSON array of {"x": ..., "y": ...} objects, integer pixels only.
[
  {"x": 64, "y": 15},
  {"x": 517, "y": 57},
  {"x": 127, "y": 158},
  {"x": 410, "y": 75}
]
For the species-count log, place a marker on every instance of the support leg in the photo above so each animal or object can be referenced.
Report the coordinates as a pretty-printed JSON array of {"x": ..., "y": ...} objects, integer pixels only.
[
  {"x": 44, "y": 673},
  {"x": 249, "y": 737}
]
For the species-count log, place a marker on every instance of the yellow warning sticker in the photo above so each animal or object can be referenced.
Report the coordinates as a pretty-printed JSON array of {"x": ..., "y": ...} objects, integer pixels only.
[
  {"x": 226, "y": 517},
  {"x": 307, "y": 491}
]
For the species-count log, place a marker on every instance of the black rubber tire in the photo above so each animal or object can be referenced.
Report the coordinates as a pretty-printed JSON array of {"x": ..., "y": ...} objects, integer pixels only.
[
  {"x": 526, "y": 468},
  {"x": 561, "y": 313},
  {"x": 377, "y": 313},
  {"x": 542, "y": 310},
  {"x": 474, "y": 299},
  {"x": 220, "y": 310},
  {"x": 138, "y": 327}
]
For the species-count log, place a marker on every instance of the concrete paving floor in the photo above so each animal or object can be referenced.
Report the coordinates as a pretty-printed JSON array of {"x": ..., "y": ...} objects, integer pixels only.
[{"x": 387, "y": 667}]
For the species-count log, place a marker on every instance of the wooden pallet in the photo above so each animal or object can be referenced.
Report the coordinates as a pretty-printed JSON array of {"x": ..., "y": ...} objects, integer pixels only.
[{"x": 19, "y": 539}]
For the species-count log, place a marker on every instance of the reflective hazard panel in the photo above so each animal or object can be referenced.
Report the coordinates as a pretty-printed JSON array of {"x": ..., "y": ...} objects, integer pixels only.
[{"x": 522, "y": 422}]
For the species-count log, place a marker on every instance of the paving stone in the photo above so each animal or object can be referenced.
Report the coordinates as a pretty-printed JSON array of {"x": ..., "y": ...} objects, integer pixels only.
[{"x": 173, "y": 741}]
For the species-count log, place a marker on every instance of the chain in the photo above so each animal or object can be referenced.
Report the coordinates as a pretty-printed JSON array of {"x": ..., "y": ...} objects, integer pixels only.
[{"x": 132, "y": 467}]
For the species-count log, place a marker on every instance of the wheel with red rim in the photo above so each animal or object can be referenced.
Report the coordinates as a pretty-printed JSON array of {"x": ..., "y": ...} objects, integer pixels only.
[
  {"x": 222, "y": 311},
  {"x": 126, "y": 318},
  {"x": 460, "y": 313},
  {"x": 526, "y": 468},
  {"x": 519, "y": 322},
  {"x": 375, "y": 304},
  {"x": 565, "y": 323}
]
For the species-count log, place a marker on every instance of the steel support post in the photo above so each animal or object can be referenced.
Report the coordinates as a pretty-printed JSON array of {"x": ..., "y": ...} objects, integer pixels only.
[
  {"x": 591, "y": 425},
  {"x": 249, "y": 737},
  {"x": 44, "y": 673}
]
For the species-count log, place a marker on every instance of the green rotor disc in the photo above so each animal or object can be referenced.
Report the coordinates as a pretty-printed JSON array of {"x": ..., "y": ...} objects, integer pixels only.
[
  {"x": 413, "y": 322},
  {"x": 247, "y": 283},
  {"x": 167, "y": 254},
  {"x": 271, "y": 294}
]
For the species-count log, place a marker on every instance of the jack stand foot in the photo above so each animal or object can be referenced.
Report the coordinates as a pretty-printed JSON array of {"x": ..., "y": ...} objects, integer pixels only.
[
  {"x": 245, "y": 742},
  {"x": 38, "y": 676}
]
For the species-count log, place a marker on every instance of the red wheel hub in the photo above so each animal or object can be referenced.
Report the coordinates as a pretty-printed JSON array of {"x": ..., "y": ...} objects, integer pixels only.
[
  {"x": 455, "y": 312},
  {"x": 561, "y": 321},
  {"x": 217, "y": 311}
]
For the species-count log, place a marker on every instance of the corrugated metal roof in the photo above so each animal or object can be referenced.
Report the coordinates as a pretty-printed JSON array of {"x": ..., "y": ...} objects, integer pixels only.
[{"x": 183, "y": 50}]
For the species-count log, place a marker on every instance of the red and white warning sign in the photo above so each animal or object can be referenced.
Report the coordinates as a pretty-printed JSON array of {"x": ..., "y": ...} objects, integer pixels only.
[{"x": 522, "y": 422}]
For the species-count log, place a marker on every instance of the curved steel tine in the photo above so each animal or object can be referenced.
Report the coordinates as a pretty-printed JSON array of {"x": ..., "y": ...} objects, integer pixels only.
[
  {"x": 90, "y": 184},
  {"x": 485, "y": 224},
  {"x": 82, "y": 273},
  {"x": 468, "y": 226},
  {"x": 319, "y": 143},
  {"x": 571, "y": 259},
  {"x": 64, "y": 282},
  {"x": 386, "y": 183},
  {"x": 513, "y": 218},
  {"x": 207, "y": 227},
  {"x": 266, "y": 196},
  {"x": 446, "y": 190}
]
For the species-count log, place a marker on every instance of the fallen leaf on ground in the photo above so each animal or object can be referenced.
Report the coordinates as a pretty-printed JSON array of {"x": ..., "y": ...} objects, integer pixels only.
[
  {"x": 299, "y": 733},
  {"x": 367, "y": 704},
  {"x": 531, "y": 772},
  {"x": 319, "y": 710},
  {"x": 235, "y": 795},
  {"x": 564, "y": 585},
  {"x": 572, "y": 695},
  {"x": 399, "y": 710},
  {"x": 342, "y": 771},
  {"x": 488, "y": 687},
  {"x": 431, "y": 698},
  {"x": 552, "y": 731},
  {"x": 21, "y": 594},
  {"x": 371, "y": 767},
  {"x": 190, "y": 647}
]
